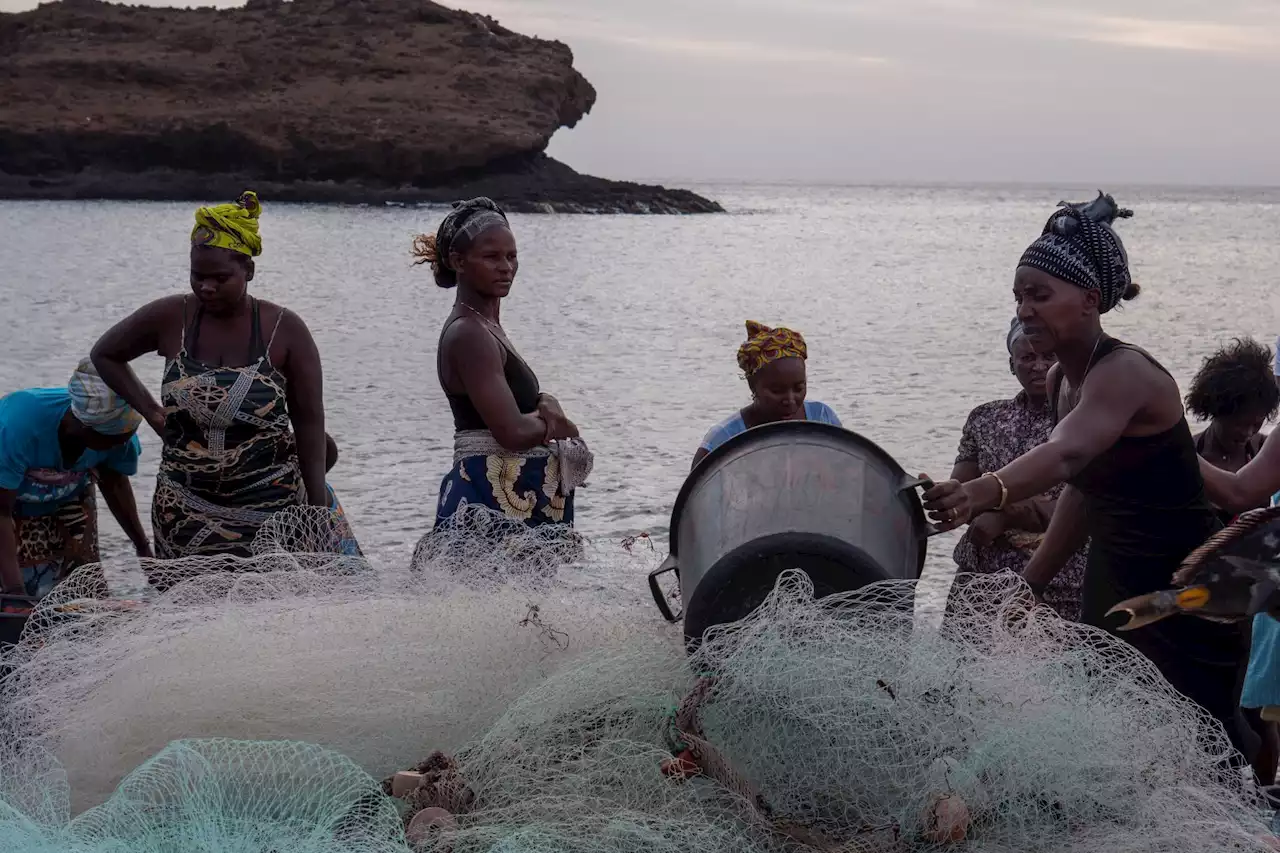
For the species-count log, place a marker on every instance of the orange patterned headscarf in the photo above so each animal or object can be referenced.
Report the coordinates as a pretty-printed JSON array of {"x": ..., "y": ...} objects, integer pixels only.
[{"x": 765, "y": 345}]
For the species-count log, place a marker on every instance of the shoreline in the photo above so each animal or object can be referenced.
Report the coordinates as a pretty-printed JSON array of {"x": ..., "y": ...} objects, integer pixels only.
[{"x": 543, "y": 186}]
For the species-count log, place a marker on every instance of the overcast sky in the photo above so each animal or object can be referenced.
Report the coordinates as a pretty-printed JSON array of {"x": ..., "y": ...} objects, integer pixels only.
[{"x": 1092, "y": 91}]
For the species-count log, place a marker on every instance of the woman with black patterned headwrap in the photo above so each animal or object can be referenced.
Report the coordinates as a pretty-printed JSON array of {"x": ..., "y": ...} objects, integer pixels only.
[
  {"x": 515, "y": 451},
  {"x": 1122, "y": 444}
]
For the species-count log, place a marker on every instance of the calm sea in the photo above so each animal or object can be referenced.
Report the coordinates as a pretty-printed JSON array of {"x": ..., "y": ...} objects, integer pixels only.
[{"x": 632, "y": 322}]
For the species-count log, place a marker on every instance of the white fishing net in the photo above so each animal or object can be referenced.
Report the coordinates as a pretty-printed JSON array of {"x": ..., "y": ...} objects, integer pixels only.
[
  {"x": 302, "y": 646},
  {"x": 846, "y": 724}
]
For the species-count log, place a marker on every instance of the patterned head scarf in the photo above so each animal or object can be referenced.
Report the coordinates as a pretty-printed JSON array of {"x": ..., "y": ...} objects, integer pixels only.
[
  {"x": 466, "y": 222},
  {"x": 1078, "y": 246},
  {"x": 230, "y": 226},
  {"x": 96, "y": 406},
  {"x": 1015, "y": 332},
  {"x": 764, "y": 346}
]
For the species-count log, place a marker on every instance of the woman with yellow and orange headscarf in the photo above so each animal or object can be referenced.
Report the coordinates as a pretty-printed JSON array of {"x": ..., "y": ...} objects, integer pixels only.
[
  {"x": 242, "y": 406},
  {"x": 773, "y": 363}
]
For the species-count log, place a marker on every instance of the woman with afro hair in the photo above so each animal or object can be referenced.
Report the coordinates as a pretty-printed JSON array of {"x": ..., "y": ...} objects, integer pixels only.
[{"x": 1235, "y": 392}]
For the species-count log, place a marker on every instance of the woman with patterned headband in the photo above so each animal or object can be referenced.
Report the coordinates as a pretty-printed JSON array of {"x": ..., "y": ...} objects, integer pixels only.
[
  {"x": 773, "y": 363},
  {"x": 56, "y": 444},
  {"x": 242, "y": 411},
  {"x": 995, "y": 434},
  {"x": 1122, "y": 444},
  {"x": 516, "y": 454}
]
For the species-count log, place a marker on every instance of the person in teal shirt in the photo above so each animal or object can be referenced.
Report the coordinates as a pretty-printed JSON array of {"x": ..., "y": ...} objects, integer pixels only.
[{"x": 55, "y": 445}]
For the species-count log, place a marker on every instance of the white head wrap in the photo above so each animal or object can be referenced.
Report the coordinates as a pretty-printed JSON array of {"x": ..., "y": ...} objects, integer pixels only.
[{"x": 96, "y": 406}]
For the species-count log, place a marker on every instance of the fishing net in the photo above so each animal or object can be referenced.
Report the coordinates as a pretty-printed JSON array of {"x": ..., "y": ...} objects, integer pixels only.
[
  {"x": 841, "y": 725},
  {"x": 223, "y": 796},
  {"x": 321, "y": 648},
  {"x": 486, "y": 549},
  {"x": 550, "y": 721}
]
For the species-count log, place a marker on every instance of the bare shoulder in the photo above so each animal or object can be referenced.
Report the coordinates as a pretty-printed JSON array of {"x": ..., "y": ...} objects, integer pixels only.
[
  {"x": 1132, "y": 361},
  {"x": 272, "y": 313},
  {"x": 1136, "y": 380},
  {"x": 283, "y": 324},
  {"x": 469, "y": 335},
  {"x": 290, "y": 342},
  {"x": 157, "y": 326},
  {"x": 165, "y": 309},
  {"x": 169, "y": 303}
]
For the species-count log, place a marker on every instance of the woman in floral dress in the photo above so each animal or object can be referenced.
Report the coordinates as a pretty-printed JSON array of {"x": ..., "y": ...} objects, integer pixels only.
[{"x": 995, "y": 434}]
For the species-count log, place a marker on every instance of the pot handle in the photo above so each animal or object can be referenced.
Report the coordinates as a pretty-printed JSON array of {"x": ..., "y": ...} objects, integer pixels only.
[
  {"x": 659, "y": 597},
  {"x": 20, "y": 604},
  {"x": 924, "y": 484}
]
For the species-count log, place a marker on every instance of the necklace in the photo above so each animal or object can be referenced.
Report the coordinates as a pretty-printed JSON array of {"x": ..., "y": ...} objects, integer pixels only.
[
  {"x": 481, "y": 316},
  {"x": 1078, "y": 390}
]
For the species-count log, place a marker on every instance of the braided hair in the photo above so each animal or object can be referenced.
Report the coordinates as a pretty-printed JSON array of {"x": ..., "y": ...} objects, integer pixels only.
[
  {"x": 467, "y": 221},
  {"x": 1079, "y": 246}
]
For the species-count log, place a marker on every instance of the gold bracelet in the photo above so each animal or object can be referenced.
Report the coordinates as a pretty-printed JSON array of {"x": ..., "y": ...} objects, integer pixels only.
[{"x": 1004, "y": 492}]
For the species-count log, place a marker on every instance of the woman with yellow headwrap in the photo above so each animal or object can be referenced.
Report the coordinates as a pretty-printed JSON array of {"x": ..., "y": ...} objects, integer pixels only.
[
  {"x": 773, "y": 363},
  {"x": 242, "y": 411}
]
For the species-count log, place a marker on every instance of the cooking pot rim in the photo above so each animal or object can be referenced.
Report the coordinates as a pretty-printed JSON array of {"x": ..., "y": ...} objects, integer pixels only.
[{"x": 699, "y": 471}]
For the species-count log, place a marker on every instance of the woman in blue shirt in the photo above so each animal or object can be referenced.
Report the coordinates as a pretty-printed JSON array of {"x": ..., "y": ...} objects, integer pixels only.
[
  {"x": 55, "y": 443},
  {"x": 773, "y": 363}
]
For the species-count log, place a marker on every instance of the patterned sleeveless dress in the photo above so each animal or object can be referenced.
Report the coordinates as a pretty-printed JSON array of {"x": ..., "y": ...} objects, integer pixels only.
[{"x": 229, "y": 458}]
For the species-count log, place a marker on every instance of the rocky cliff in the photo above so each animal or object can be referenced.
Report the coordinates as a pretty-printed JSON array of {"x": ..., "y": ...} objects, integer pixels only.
[{"x": 310, "y": 100}]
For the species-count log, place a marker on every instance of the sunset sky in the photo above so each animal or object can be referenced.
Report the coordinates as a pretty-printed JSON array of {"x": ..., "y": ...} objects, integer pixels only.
[{"x": 1098, "y": 91}]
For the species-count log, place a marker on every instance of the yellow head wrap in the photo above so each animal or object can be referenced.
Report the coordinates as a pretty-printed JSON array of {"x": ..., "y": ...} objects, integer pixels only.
[
  {"x": 230, "y": 226},
  {"x": 765, "y": 345}
]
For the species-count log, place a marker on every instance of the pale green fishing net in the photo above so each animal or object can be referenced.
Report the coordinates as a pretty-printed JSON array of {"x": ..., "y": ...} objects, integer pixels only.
[
  {"x": 226, "y": 797},
  {"x": 837, "y": 725}
]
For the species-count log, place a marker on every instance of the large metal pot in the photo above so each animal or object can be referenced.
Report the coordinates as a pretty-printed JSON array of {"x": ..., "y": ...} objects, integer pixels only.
[{"x": 789, "y": 495}]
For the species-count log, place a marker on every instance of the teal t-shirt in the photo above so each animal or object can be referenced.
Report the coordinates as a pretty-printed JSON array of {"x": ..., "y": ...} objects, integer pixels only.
[{"x": 31, "y": 460}]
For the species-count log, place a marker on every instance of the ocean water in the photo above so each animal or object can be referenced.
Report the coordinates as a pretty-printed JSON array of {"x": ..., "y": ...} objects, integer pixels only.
[{"x": 903, "y": 294}]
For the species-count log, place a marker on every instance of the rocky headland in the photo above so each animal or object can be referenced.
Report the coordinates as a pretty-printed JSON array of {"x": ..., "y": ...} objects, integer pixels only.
[{"x": 350, "y": 101}]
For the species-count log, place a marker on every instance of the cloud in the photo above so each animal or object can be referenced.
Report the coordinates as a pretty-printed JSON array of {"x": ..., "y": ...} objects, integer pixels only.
[
  {"x": 566, "y": 20},
  {"x": 1180, "y": 35},
  {"x": 1236, "y": 26},
  {"x": 746, "y": 51}
]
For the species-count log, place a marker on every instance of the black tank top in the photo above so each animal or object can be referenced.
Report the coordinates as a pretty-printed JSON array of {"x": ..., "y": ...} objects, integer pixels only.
[
  {"x": 520, "y": 379},
  {"x": 1147, "y": 509},
  {"x": 1146, "y": 505}
]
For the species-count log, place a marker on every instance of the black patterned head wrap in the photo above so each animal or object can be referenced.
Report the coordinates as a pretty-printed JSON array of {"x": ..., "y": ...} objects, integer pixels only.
[
  {"x": 467, "y": 221},
  {"x": 1079, "y": 246}
]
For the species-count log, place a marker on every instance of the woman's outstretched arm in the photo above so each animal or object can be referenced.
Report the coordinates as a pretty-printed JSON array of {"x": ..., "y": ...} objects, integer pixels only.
[
  {"x": 1252, "y": 485},
  {"x": 1108, "y": 404}
]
